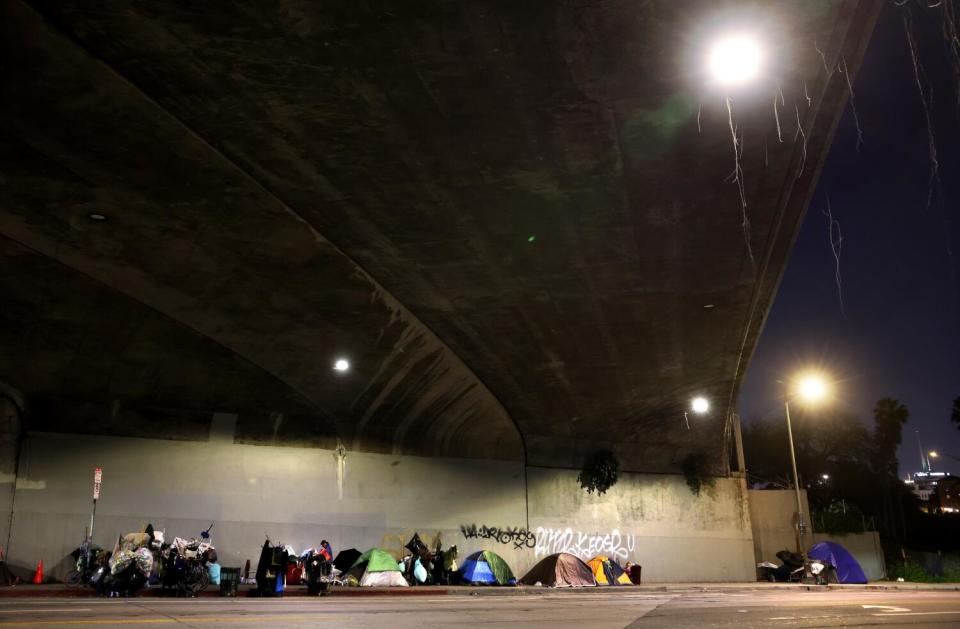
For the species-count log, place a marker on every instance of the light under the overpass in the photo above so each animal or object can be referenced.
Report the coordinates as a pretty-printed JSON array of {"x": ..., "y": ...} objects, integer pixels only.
[
  {"x": 735, "y": 59},
  {"x": 700, "y": 405}
]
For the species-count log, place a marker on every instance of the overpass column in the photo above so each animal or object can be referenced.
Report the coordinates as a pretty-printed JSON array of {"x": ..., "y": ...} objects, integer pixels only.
[{"x": 11, "y": 409}]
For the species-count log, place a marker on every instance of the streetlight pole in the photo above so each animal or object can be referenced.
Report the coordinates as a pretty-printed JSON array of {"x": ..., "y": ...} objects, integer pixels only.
[{"x": 796, "y": 484}]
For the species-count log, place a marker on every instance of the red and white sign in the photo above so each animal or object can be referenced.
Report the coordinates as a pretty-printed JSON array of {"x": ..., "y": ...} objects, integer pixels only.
[{"x": 97, "y": 478}]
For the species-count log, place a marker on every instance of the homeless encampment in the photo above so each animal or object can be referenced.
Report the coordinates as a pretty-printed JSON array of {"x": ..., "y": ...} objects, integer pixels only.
[
  {"x": 833, "y": 554},
  {"x": 607, "y": 572},
  {"x": 560, "y": 570},
  {"x": 376, "y": 567},
  {"x": 485, "y": 567}
]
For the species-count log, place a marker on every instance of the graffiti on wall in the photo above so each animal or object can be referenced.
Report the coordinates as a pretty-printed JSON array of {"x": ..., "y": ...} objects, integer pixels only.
[
  {"x": 519, "y": 537},
  {"x": 583, "y": 545}
]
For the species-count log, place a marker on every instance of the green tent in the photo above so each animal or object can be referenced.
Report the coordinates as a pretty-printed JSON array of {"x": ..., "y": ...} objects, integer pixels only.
[
  {"x": 377, "y": 561},
  {"x": 376, "y": 567}
]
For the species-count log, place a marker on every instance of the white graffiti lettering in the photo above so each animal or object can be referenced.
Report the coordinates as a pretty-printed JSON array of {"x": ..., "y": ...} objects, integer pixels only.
[{"x": 583, "y": 545}]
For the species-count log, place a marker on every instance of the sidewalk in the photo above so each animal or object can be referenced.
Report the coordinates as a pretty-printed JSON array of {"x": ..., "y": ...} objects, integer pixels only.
[{"x": 61, "y": 591}]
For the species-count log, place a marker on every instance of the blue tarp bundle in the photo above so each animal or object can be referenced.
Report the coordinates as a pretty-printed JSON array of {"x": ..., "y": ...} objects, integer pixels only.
[{"x": 848, "y": 570}]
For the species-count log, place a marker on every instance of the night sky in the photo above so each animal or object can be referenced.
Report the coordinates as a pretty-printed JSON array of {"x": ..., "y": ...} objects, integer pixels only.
[{"x": 901, "y": 333}]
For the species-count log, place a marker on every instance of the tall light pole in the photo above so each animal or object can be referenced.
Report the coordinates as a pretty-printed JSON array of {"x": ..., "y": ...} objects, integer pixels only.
[
  {"x": 796, "y": 481},
  {"x": 809, "y": 388}
]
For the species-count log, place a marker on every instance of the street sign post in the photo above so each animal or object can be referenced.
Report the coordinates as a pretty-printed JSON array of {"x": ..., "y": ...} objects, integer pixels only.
[{"x": 97, "y": 480}]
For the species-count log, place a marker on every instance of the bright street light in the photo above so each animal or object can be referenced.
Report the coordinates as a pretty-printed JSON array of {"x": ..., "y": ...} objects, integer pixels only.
[
  {"x": 825, "y": 476},
  {"x": 700, "y": 405},
  {"x": 933, "y": 454},
  {"x": 735, "y": 59},
  {"x": 341, "y": 365},
  {"x": 812, "y": 388}
]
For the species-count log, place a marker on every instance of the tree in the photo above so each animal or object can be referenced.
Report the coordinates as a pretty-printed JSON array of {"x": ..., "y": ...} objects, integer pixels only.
[
  {"x": 889, "y": 416},
  {"x": 955, "y": 415},
  {"x": 838, "y": 445}
]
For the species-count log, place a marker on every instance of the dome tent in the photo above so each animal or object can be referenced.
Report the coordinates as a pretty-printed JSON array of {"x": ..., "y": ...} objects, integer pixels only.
[
  {"x": 377, "y": 567},
  {"x": 486, "y": 567},
  {"x": 832, "y": 553},
  {"x": 560, "y": 570}
]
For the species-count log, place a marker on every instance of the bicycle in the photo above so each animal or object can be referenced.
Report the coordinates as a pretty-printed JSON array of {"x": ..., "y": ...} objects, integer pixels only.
[{"x": 85, "y": 565}]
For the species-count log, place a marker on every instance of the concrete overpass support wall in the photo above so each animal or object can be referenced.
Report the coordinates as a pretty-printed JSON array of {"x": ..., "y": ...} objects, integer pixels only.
[
  {"x": 294, "y": 496},
  {"x": 9, "y": 441},
  {"x": 653, "y": 520}
]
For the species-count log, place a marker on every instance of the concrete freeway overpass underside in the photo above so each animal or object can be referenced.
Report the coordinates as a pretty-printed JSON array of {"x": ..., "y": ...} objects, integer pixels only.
[
  {"x": 515, "y": 220},
  {"x": 503, "y": 214}
]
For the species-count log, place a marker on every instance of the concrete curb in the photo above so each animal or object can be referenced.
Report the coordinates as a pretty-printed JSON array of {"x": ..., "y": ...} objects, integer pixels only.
[{"x": 61, "y": 591}]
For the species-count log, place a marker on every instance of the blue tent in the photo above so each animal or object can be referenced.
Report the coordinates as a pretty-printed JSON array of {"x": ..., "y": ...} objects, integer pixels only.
[
  {"x": 486, "y": 567},
  {"x": 848, "y": 570}
]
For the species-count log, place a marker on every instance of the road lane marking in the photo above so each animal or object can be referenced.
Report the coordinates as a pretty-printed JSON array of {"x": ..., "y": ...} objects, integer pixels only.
[
  {"x": 173, "y": 620},
  {"x": 890, "y": 609},
  {"x": 919, "y": 613},
  {"x": 54, "y": 610}
]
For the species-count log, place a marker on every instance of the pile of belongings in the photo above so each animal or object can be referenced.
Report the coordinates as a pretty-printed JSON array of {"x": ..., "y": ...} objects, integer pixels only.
[
  {"x": 376, "y": 567},
  {"x": 607, "y": 572},
  {"x": 560, "y": 570},
  {"x": 186, "y": 566},
  {"x": 412, "y": 565},
  {"x": 272, "y": 570},
  {"x": 318, "y": 569},
  {"x": 128, "y": 571},
  {"x": 423, "y": 566},
  {"x": 445, "y": 566},
  {"x": 485, "y": 567}
]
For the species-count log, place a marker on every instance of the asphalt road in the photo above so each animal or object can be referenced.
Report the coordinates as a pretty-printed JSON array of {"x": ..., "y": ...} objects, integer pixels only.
[{"x": 744, "y": 608}]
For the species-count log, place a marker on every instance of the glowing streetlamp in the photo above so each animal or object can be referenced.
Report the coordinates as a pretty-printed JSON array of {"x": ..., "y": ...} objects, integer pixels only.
[
  {"x": 933, "y": 454},
  {"x": 809, "y": 388},
  {"x": 341, "y": 365},
  {"x": 700, "y": 405},
  {"x": 735, "y": 59}
]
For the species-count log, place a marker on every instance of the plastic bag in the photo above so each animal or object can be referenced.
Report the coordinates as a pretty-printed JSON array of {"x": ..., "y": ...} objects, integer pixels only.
[
  {"x": 120, "y": 561},
  {"x": 419, "y": 572},
  {"x": 144, "y": 560},
  {"x": 214, "y": 570}
]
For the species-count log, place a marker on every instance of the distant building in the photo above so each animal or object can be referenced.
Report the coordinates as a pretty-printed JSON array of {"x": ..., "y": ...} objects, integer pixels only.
[{"x": 938, "y": 492}]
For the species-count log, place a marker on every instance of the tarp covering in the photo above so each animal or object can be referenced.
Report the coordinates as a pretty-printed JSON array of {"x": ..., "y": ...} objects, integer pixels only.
[
  {"x": 607, "y": 572},
  {"x": 832, "y": 553},
  {"x": 560, "y": 570},
  {"x": 417, "y": 547},
  {"x": 346, "y": 558}
]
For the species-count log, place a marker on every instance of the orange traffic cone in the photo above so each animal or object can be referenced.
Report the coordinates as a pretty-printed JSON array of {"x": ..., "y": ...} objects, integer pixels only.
[{"x": 38, "y": 575}]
